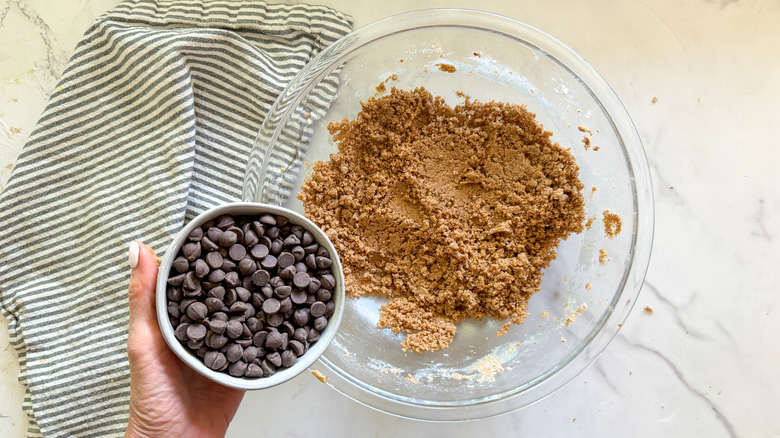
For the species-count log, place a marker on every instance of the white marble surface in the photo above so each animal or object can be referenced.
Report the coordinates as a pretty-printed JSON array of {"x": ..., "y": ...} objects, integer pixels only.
[{"x": 704, "y": 362}]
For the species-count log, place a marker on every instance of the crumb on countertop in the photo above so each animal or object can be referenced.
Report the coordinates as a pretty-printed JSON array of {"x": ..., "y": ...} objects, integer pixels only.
[{"x": 321, "y": 377}]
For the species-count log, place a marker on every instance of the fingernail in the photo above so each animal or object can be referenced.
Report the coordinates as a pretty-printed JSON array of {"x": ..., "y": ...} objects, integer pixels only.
[{"x": 132, "y": 253}]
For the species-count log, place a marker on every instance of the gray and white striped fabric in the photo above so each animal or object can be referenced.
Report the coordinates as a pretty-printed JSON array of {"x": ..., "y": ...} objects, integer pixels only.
[{"x": 151, "y": 123}]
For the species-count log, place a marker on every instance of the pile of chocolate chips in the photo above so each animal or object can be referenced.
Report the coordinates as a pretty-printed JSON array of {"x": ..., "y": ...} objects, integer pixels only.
[{"x": 250, "y": 295}]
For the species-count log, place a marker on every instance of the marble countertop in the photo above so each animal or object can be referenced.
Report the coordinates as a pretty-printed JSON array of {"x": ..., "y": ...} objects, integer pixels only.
[{"x": 703, "y": 362}]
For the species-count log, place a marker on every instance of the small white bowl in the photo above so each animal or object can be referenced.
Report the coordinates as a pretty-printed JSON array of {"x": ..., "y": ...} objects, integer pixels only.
[{"x": 196, "y": 363}]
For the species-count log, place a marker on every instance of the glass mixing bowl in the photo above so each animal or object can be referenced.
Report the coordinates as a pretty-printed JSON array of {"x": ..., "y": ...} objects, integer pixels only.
[{"x": 500, "y": 59}]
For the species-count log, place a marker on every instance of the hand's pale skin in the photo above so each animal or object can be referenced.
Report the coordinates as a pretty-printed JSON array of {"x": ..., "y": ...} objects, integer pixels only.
[{"x": 167, "y": 397}]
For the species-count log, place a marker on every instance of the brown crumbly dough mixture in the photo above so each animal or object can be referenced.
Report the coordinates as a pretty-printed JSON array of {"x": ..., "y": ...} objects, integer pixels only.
[
  {"x": 612, "y": 224},
  {"x": 573, "y": 315},
  {"x": 446, "y": 68},
  {"x": 450, "y": 213},
  {"x": 603, "y": 256}
]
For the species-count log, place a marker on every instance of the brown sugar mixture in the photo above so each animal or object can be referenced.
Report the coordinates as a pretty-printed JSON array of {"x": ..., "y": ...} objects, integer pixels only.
[
  {"x": 450, "y": 213},
  {"x": 612, "y": 224}
]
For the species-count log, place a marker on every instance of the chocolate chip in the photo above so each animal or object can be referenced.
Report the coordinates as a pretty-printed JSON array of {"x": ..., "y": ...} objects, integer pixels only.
[
  {"x": 234, "y": 353},
  {"x": 307, "y": 238},
  {"x": 291, "y": 240},
  {"x": 274, "y": 340},
  {"x": 201, "y": 268},
  {"x": 275, "y": 320},
  {"x": 261, "y": 277},
  {"x": 259, "y": 251},
  {"x": 301, "y": 334},
  {"x": 276, "y": 247},
  {"x": 272, "y": 233},
  {"x": 227, "y": 264},
  {"x": 195, "y": 235},
  {"x": 243, "y": 294},
  {"x": 318, "y": 309},
  {"x": 237, "y": 252},
  {"x": 330, "y": 309},
  {"x": 250, "y": 238},
  {"x": 214, "y": 260},
  {"x": 298, "y": 253},
  {"x": 320, "y": 323},
  {"x": 259, "y": 338},
  {"x": 247, "y": 266},
  {"x": 297, "y": 347},
  {"x": 216, "y": 276},
  {"x": 327, "y": 281},
  {"x": 214, "y": 359},
  {"x": 218, "y": 340},
  {"x": 190, "y": 281},
  {"x": 177, "y": 279},
  {"x": 180, "y": 264},
  {"x": 288, "y": 273},
  {"x": 323, "y": 262},
  {"x": 234, "y": 329},
  {"x": 238, "y": 307},
  {"x": 314, "y": 285},
  {"x": 301, "y": 317},
  {"x": 285, "y": 306},
  {"x": 269, "y": 262},
  {"x": 323, "y": 295},
  {"x": 191, "y": 251},
  {"x": 312, "y": 249},
  {"x": 197, "y": 311},
  {"x": 268, "y": 368},
  {"x": 218, "y": 326},
  {"x": 275, "y": 358},
  {"x": 217, "y": 292},
  {"x": 253, "y": 371},
  {"x": 281, "y": 220},
  {"x": 250, "y": 353},
  {"x": 314, "y": 335},
  {"x": 228, "y": 239},
  {"x": 271, "y": 305},
  {"x": 208, "y": 245},
  {"x": 267, "y": 219},
  {"x": 231, "y": 279},
  {"x": 196, "y": 332},
  {"x": 288, "y": 358},
  {"x": 301, "y": 279},
  {"x": 282, "y": 292}
]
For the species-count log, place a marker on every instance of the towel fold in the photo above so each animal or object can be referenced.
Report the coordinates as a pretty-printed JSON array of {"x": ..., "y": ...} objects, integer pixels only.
[{"x": 151, "y": 123}]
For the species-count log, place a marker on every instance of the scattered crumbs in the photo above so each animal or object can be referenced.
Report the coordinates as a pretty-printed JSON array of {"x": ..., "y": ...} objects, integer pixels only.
[
  {"x": 504, "y": 328},
  {"x": 540, "y": 324},
  {"x": 42, "y": 361},
  {"x": 630, "y": 373},
  {"x": 2, "y": 113},
  {"x": 596, "y": 148},
  {"x": 544, "y": 315},
  {"x": 655, "y": 99},
  {"x": 346, "y": 355},
  {"x": 573, "y": 420},
  {"x": 514, "y": 347},
  {"x": 15, "y": 100},
  {"x": 489, "y": 366},
  {"x": 308, "y": 115},
  {"x": 720, "y": 392},
  {"x": 593, "y": 190},
  {"x": 698, "y": 101},
  {"x": 587, "y": 286},
  {"x": 563, "y": 340},
  {"x": 14, "y": 130},
  {"x": 648, "y": 309},
  {"x": 586, "y": 142},
  {"x": 573, "y": 315},
  {"x": 532, "y": 91},
  {"x": 671, "y": 187},
  {"x": 401, "y": 60},
  {"x": 322, "y": 378},
  {"x": 381, "y": 88},
  {"x": 394, "y": 371},
  {"x": 446, "y": 68},
  {"x": 565, "y": 278},
  {"x": 662, "y": 406},
  {"x": 585, "y": 129},
  {"x": 612, "y": 224},
  {"x": 411, "y": 378},
  {"x": 111, "y": 380},
  {"x": 9, "y": 166},
  {"x": 425, "y": 70},
  {"x": 430, "y": 378},
  {"x": 477, "y": 54},
  {"x": 384, "y": 371},
  {"x": 603, "y": 256},
  {"x": 620, "y": 325},
  {"x": 283, "y": 169},
  {"x": 589, "y": 222}
]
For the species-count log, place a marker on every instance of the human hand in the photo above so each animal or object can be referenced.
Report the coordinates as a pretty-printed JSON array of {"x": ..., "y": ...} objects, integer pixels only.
[{"x": 167, "y": 397}]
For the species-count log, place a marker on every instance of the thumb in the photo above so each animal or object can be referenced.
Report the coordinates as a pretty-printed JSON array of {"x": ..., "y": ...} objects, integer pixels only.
[{"x": 143, "y": 282}]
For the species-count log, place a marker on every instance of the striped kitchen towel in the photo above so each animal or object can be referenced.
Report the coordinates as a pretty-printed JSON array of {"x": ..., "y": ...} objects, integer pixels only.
[{"x": 151, "y": 123}]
